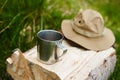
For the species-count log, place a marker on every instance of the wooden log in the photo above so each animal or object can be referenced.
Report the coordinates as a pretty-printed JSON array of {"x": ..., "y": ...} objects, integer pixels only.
[
  {"x": 18, "y": 66},
  {"x": 21, "y": 69},
  {"x": 76, "y": 64}
]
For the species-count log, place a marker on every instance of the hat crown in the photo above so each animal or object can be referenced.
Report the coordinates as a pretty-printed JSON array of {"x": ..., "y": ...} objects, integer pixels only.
[{"x": 88, "y": 23}]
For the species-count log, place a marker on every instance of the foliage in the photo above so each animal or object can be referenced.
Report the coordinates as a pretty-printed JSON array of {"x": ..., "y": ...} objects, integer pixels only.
[{"x": 20, "y": 20}]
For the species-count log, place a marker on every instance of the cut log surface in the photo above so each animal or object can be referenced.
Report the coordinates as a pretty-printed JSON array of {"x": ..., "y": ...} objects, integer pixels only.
[{"x": 76, "y": 64}]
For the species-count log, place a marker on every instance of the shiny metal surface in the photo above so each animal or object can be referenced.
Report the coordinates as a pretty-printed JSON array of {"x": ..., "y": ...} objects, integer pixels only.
[{"x": 47, "y": 44}]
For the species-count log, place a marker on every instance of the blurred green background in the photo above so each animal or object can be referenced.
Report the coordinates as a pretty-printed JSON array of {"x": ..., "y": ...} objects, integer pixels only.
[{"x": 20, "y": 20}]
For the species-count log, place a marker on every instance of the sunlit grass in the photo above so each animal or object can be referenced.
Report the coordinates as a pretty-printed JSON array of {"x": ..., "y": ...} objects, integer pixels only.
[{"x": 20, "y": 20}]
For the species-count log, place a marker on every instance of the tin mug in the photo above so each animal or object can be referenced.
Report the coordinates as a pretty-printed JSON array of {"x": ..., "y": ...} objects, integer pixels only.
[{"x": 47, "y": 44}]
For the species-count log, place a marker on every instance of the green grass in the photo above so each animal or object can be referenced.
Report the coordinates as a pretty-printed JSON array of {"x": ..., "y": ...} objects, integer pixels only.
[{"x": 20, "y": 20}]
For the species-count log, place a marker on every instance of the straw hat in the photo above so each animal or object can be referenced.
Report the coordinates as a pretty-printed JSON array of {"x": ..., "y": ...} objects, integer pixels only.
[{"x": 87, "y": 29}]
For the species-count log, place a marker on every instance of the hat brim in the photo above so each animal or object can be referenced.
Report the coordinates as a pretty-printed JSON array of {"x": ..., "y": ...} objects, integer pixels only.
[{"x": 97, "y": 43}]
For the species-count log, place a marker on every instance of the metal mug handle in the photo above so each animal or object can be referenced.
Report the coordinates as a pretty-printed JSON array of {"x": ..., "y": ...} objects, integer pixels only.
[{"x": 64, "y": 49}]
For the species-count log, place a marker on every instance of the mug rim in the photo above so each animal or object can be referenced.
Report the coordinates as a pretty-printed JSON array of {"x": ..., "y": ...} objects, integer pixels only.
[{"x": 50, "y": 40}]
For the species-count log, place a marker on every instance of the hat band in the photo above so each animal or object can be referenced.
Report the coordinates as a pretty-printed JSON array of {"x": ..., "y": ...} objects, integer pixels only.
[{"x": 84, "y": 32}]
